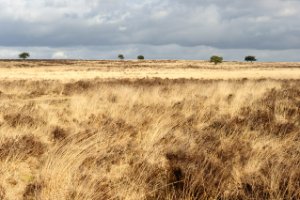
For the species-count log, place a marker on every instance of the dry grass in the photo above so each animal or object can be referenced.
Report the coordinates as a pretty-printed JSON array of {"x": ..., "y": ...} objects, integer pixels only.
[
  {"x": 78, "y": 70},
  {"x": 149, "y": 139}
]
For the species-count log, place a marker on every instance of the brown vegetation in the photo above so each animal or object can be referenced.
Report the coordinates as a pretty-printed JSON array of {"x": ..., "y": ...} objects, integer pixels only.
[
  {"x": 150, "y": 139},
  {"x": 67, "y": 70}
]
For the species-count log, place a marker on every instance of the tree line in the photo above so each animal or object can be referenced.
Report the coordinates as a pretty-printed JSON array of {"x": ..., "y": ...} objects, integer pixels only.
[
  {"x": 219, "y": 59},
  {"x": 214, "y": 59}
]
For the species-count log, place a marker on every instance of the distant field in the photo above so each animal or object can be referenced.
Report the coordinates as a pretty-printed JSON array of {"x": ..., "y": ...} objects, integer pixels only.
[
  {"x": 108, "y": 130},
  {"x": 78, "y": 70}
]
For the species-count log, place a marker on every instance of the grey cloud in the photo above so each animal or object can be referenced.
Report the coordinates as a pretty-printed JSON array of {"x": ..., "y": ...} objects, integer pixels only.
[{"x": 219, "y": 24}]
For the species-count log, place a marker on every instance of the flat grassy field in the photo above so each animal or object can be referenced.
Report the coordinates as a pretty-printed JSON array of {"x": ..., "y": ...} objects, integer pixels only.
[
  {"x": 147, "y": 130},
  {"x": 77, "y": 70}
]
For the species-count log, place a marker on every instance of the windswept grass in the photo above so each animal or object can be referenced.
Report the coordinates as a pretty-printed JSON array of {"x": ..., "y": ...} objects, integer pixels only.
[{"x": 150, "y": 139}]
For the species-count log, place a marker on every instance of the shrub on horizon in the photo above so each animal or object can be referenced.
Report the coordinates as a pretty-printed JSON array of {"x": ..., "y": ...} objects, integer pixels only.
[
  {"x": 24, "y": 55},
  {"x": 216, "y": 59},
  {"x": 140, "y": 57},
  {"x": 250, "y": 59},
  {"x": 121, "y": 57}
]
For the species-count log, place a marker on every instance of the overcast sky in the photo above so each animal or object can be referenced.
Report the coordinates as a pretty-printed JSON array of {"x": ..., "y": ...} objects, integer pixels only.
[{"x": 158, "y": 29}]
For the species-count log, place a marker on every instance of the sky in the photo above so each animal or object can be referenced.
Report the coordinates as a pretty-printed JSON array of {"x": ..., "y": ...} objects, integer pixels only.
[{"x": 157, "y": 29}]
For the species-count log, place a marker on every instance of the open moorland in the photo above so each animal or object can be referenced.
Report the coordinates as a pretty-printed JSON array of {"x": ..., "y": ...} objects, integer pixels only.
[
  {"x": 147, "y": 130},
  {"x": 67, "y": 70}
]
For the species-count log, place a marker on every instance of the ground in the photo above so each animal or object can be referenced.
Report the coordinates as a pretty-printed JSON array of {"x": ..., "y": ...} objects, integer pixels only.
[
  {"x": 149, "y": 130},
  {"x": 78, "y": 70}
]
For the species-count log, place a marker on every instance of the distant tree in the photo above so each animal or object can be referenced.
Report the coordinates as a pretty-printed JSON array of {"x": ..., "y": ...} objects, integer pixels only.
[
  {"x": 250, "y": 58},
  {"x": 121, "y": 57},
  {"x": 140, "y": 57},
  {"x": 24, "y": 55},
  {"x": 216, "y": 59}
]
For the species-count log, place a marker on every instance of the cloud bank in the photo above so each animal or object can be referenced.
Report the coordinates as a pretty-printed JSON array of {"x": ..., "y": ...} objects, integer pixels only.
[{"x": 171, "y": 29}]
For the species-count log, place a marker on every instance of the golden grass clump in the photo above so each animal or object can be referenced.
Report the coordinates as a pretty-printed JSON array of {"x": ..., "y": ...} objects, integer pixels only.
[
  {"x": 150, "y": 139},
  {"x": 2, "y": 193}
]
